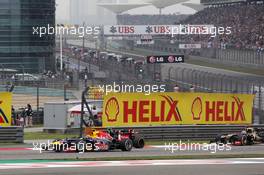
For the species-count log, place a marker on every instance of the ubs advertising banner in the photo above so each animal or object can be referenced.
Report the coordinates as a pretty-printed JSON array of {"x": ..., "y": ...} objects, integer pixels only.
[
  {"x": 137, "y": 109},
  {"x": 121, "y": 30},
  {"x": 5, "y": 108}
]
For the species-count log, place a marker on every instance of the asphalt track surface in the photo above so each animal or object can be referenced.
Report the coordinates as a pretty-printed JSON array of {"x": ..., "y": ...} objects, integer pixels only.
[
  {"x": 215, "y": 71},
  {"x": 187, "y": 66},
  {"x": 27, "y": 152},
  {"x": 253, "y": 166}
]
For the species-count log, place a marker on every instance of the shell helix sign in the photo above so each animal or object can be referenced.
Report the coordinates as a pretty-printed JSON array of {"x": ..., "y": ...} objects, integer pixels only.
[
  {"x": 157, "y": 109},
  {"x": 5, "y": 109}
]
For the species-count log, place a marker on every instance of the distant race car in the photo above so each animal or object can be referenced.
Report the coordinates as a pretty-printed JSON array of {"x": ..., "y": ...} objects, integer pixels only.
[
  {"x": 99, "y": 140},
  {"x": 248, "y": 136}
]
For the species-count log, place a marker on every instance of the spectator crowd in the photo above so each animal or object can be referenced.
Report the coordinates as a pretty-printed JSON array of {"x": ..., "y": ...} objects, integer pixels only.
[
  {"x": 246, "y": 22},
  {"x": 245, "y": 19}
]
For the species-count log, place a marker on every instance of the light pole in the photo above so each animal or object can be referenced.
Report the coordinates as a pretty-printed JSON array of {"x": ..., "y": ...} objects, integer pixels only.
[
  {"x": 81, "y": 56},
  {"x": 38, "y": 100},
  {"x": 85, "y": 80},
  {"x": 65, "y": 88},
  {"x": 61, "y": 60}
]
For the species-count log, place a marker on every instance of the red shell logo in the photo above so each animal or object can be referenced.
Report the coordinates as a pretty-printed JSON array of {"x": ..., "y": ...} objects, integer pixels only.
[
  {"x": 152, "y": 59},
  {"x": 112, "y": 109},
  {"x": 197, "y": 108},
  {"x": 171, "y": 59}
]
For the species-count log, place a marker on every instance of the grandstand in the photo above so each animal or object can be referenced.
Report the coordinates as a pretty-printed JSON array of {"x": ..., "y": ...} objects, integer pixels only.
[
  {"x": 245, "y": 18},
  {"x": 217, "y": 2}
]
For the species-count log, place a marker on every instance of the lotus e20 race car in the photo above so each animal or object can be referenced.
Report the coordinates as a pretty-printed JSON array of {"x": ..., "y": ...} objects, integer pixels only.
[
  {"x": 99, "y": 140},
  {"x": 248, "y": 136}
]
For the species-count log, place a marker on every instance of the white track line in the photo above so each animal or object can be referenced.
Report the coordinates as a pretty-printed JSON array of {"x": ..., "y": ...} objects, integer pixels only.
[{"x": 90, "y": 164}]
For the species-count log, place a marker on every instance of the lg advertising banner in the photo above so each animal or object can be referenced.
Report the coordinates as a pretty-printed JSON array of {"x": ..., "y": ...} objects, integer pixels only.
[
  {"x": 137, "y": 109},
  {"x": 165, "y": 59},
  {"x": 5, "y": 108}
]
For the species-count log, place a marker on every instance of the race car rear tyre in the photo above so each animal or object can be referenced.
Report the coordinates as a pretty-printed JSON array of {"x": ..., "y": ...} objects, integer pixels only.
[
  {"x": 139, "y": 142},
  {"x": 126, "y": 145}
]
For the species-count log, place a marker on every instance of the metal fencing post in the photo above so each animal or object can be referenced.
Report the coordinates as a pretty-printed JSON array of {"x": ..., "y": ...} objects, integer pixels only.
[
  {"x": 236, "y": 89},
  {"x": 82, "y": 110},
  {"x": 37, "y": 100},
  {"x": 178, "y": 72},
  {"x": 193, "y": 80},
  {"x": 224, "y": 83},
  {"x": 183, "y": 74},
  {"x": 199, "y": 78},
  {"x": 188, "y": 76},
  {"x": 204, "y": 79},
  {"x": 221, "y": 82},
  {"x": 169, "y": 73},
  {"x": 260, "y": 115},
  {"x": 212, "y": 79}
]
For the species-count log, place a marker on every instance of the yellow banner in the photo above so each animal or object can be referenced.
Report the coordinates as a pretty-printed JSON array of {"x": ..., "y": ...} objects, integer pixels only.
[
  {"x": 137, "y": 109},
  {"x": 5, "y": 108}
]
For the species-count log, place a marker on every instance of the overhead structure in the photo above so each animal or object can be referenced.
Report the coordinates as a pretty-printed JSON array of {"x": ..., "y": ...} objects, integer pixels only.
[
  {"x": 196, "y": 7},
  {"x": 160, "y": 4},
  {"x": 119, "y": 8}
]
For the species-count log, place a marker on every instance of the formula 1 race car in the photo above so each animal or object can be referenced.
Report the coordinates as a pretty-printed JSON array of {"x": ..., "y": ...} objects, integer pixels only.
[
  {"x": 117, "y": 136},
  {"x": 77, "y": 145},
  {"x": 98, "y": 140},
  {"x": 248, "y": 136}
]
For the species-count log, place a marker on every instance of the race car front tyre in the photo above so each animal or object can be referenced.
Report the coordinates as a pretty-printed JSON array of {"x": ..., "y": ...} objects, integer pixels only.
[{"x": 126, "y": 145}]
